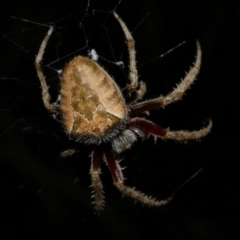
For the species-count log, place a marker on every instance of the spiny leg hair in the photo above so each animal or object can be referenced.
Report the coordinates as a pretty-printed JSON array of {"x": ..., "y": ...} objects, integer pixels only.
[
  {"x": 150, "y": 128},
  {"x": 132, "y": 97},
  {"x": 95, "y": 171},
  {"x": 118, "y": 180},
  {"x": 45, "y": 94},
  {"x": 175, "y": 95}
]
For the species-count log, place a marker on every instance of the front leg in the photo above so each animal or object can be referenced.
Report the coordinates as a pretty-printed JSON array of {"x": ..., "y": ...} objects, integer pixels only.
[
  {"x": 173, "y": 96},
  {"x": 45, "y": 94},
  {"x": 132, "y": 96}
]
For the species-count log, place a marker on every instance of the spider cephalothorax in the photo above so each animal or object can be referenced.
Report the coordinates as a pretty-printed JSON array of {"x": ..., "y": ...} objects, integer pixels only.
[{"x": 95, "y": 111}]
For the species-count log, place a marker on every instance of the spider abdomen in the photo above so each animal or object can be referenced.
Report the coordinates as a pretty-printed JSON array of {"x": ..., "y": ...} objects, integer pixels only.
[{"x": 92, "y": 105}]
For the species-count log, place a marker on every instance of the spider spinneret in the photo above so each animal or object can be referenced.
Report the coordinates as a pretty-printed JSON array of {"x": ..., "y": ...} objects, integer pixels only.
[{"x": 95, "y": 111}]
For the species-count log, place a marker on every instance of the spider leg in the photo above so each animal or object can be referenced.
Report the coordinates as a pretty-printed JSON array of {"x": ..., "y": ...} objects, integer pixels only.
[
  {"x": 148, "y": 127},
  {"x": 133, "y": 74},
  {"x": 69, "y": 152},
  {"x": 118, "y": 180},
  {"x": 175, "y": 95},
  {"x": 95, "y": 171},
  {"x": 131, "y": 97},
  {"x": 45, "y": 94}
]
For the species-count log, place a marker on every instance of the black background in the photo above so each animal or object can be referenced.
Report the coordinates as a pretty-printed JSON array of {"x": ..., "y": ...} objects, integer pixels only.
[{"x": 42, "y": 200}]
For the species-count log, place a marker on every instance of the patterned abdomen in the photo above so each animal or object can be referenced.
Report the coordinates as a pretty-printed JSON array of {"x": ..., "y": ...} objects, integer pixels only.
[{"x": 91, "y": 102}]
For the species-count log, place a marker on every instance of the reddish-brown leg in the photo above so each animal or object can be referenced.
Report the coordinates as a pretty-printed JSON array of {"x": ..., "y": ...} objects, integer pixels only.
[
  {"x": 150, "y": 128},
  {"x": 147, "y": 127},
  {"x": 95, "y": 171},
  {"x": 118, "y": 180},
  {"x": 132, "y": 95},
  {"x": 139, "y": 108}
]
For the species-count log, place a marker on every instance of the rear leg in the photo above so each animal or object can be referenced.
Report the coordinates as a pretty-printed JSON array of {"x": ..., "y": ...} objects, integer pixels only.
[{"x": 118, "y": 180}]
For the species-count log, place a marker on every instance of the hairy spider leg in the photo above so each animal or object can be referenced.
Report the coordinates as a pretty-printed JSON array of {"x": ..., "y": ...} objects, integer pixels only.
[
  {"x": 173, "y": 96},
  {"x": 95, "y": 171},
  {"x": 150, "y": 128},
  {"x": 134, "y": 90},
  {"x": 118, "y": 180},
  {"x": 45, "y": 93}
]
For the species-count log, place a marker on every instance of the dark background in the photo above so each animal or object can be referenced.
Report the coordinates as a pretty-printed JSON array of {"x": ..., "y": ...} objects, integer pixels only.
[{"x": 45, "y": 197}]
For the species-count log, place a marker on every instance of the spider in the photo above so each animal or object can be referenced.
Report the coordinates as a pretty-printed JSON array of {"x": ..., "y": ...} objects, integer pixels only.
[{"x": 94, "y": 110}]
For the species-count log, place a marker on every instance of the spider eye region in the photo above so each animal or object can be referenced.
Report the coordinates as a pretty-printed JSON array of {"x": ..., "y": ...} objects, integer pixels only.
[{"x": 93, "y": 108}]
